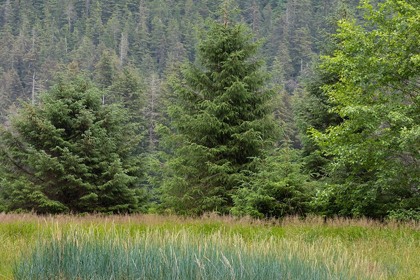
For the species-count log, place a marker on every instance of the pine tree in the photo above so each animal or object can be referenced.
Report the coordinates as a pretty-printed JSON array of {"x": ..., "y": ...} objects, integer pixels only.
[
  {"x": 128, "y": 91},
  {"x": 158, "y": 42},
  {"x": 105, "y": 70},
  {"x": 141, "y": 34},
  {"x": 94, "y": 26},
  {"x": 222, "y": 120},
  {"x": 70, "y": 154}
]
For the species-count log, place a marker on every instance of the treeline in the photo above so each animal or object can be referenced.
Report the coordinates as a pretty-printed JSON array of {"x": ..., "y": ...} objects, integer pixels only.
[{"x": 180, "y": 106}]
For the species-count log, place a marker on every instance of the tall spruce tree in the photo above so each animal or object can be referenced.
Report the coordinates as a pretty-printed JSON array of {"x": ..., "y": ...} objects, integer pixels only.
[
  {"x": 222, "y": 120},
  {"x": 70, "y": 153}
]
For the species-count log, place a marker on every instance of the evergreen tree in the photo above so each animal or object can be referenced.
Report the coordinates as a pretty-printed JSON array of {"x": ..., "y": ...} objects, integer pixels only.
[
  {"x": 6, "y": 48},
  {"x": 128, "y": 91},
  {"x": 70, "y": 154},
  {"x": 94, "y": 26},
  {"x": 278, "y": 187},
  {"x": 11, "y": 87},
  {"x": 105, "y": 70},
  {"x": 141, "y": 33},
  {"x": 158, "y": 42},
  {"x": 222, "y": 120},
  {"x": 84, "y": 54}
]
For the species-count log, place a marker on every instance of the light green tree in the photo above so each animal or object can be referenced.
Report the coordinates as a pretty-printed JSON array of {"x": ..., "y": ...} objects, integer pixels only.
[{"x": 377, "y": 96}]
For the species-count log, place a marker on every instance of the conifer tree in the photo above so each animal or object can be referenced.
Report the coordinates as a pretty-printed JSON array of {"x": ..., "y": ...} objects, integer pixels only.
[
  {"x": 70, "y": 154},
  {"x": 222, "y": 120},
  {"x": 278, "y": 187},
  {"x": 105, "y": 70}
]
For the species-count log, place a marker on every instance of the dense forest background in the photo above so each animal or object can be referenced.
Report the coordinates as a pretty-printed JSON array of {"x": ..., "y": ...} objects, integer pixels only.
[
  {"x": 134, "y": 53},
  {"x": 149, "y": 38}
]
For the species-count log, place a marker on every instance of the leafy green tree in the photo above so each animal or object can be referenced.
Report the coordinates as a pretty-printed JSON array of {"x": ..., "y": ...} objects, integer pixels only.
[
  {"x": 376, "y": 94},
  {"x": 221, "y": 121},
  {"x": 313, "y": 110},
  {"x": 70, "y": 153}
]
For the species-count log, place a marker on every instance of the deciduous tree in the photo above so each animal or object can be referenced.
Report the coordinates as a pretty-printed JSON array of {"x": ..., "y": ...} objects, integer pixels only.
[{"x": 377, "y": 96}]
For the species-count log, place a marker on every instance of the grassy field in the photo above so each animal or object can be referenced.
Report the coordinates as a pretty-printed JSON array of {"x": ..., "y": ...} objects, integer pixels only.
[{"x": 211, "y": 247}]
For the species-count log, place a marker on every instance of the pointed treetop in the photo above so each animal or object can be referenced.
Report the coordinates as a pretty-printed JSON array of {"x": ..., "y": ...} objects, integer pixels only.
[{"x": 226, "y": 12}]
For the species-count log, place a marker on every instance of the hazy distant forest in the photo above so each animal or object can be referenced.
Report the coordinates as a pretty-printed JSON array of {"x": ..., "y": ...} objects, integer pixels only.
[{"x": 264, "y": 108}]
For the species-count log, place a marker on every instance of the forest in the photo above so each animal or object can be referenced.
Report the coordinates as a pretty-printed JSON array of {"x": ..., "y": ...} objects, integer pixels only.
[{"x": 260, "y": 108}]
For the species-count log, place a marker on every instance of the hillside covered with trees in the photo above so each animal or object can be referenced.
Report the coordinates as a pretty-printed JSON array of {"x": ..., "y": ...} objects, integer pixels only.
[{"x": 259, "y": 107}]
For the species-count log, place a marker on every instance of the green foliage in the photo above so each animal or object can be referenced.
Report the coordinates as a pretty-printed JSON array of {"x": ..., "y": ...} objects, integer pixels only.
[
  {"x": 361, "y": 105},
  {"x": 404, "y": 215},
  {"x": 221, "y": 121},
  {"x": 70, "y": 153},
  {"x": 377, "y": 96},
  {"x": 277, "y": 188}
]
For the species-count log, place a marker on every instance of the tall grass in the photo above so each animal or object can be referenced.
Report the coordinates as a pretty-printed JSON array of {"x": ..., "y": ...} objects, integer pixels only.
[
  {"x": 162, "y": 247},
  {"x": 81, "y": 254}
]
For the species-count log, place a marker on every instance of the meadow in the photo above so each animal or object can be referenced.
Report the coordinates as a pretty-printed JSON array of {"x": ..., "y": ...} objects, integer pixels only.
[{"x": 210, "y": 247}]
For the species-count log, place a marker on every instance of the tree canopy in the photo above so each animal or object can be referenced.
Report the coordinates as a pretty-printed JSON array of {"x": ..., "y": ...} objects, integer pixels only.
[{"x": 377, "y": 97}]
